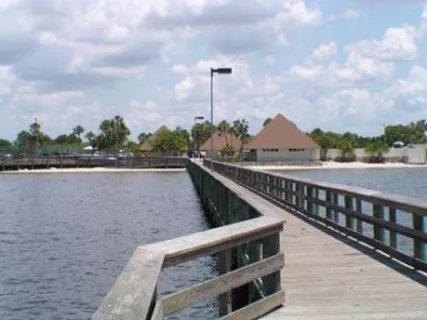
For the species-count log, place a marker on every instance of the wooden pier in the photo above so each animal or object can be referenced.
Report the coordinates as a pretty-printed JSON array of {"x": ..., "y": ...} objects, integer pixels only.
[
  {"x": 350, "y": 253},
  {"x": 46, "y": 162}
]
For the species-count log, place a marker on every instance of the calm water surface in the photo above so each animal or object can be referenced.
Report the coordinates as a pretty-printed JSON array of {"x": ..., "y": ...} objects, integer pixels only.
[
  {"x": 410, "y": 182},
  {"x": 64, "y": 239}
]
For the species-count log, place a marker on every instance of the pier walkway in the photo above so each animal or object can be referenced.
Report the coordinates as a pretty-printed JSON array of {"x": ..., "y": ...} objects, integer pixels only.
[
  {"x": 288, "y": 248},
  {"x": 326, "y": 277}
]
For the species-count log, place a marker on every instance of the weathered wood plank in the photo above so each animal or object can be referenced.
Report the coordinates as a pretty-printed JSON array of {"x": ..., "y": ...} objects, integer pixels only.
[
  {"x": 132, "y": 293},
  {"x": 214, "y": 287},
  {"x": 185, "y": 248},
  {"x": 258, "y": 308}
]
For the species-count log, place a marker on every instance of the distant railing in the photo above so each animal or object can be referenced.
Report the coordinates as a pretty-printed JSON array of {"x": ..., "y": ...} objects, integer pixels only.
[
  {"x": 393, "y": 224},
  {"x": 133, "y": 296},
  {"x": 36, "y": 162}
]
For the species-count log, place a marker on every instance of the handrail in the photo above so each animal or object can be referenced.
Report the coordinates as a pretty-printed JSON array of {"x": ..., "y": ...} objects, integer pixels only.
[
  {"x": 133, "y": 295},
  {"x": 358, "y": 212},
  {"x": 134, "y": 290}
]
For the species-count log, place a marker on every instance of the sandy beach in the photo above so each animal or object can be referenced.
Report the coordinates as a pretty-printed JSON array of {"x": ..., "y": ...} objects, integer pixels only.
[
  {"x": 90, "y": 170},
  {"x": 338, "y": 165}
]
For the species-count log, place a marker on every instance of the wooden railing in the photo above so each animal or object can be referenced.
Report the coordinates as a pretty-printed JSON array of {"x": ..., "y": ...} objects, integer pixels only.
[
  {"x": 12, "y": 163},
  {"x": 133, "y": 296},
  {"x": 393, "y": 224}
]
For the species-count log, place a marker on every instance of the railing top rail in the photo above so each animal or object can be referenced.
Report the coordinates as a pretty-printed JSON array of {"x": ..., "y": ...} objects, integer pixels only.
[
  {"x": 211, "y": 241},
  {"x": 408, "y": 204}
]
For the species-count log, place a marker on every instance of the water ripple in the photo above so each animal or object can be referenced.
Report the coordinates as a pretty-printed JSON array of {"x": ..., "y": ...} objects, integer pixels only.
[{"x": 65, "y": 238}]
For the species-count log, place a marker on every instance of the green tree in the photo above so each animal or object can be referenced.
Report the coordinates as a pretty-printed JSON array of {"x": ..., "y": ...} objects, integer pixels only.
[
  {"x": 200, "y": 132},
  {"x": 228, "y": 152},
  {"x": 241, "y": 130},
  {"x": 90, "y": 136},
  {"x": 168, "y": 142},
  {"x": 113, "y": 135},
  {"x": 78, "y": 130},
  {"x": 266, "y": 121},
  {"x": 377, "y": 150},
  {"x": 5, "y": 143},
  {"x": 142, "y": 137}
]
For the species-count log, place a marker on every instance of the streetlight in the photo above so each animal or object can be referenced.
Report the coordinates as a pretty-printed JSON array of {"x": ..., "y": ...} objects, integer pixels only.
[
  {"x": 219, "y": 71},
  {"x": 198, "y": 135}
]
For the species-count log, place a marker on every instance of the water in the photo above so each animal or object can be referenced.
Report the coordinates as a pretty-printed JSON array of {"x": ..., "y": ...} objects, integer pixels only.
[
  {"x": 64, "y": 239},
  {"x": 410, "y": 182}
]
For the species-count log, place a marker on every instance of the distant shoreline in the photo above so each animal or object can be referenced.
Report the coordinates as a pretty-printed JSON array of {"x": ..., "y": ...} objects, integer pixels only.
[
  {"x": 337, "y": 165},
  {"x": 91, "y": 170}
]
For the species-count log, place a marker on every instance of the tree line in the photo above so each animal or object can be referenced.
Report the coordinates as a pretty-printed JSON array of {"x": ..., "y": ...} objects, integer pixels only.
[{"x": 113, "y": 137}]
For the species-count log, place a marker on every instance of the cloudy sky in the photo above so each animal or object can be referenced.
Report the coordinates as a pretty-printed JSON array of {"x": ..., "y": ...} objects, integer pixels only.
[{"x": 335, "y": 64}]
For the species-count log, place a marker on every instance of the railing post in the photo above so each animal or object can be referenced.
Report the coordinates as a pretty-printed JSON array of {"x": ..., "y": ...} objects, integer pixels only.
[
  {"x": 392, "y": 219},
  {"x": 329, "y": 202},
  {"x": 270, "y": 247},
  {"x": 419, "y": 245},
  {"x": 378, "y": 212},
  {"x": 336, "y": 213},
  {"x": 225, "y": 300},
  {"x": 310, "y": 203},
  {"x": 359, "y": 210},
  {"x": 349, "y": 220}
]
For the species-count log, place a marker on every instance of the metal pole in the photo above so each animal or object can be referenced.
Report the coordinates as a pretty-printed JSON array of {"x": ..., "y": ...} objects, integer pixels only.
[{"x": 212, "y": 128}]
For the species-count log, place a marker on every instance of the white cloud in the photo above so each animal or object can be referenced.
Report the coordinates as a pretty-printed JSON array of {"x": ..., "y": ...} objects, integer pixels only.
[
  {"x": 350, "y": 14},
  {"x": 269, "y": 60},
  {"x": 65, "y": 61},
  {"x": 397, "y": 43}
]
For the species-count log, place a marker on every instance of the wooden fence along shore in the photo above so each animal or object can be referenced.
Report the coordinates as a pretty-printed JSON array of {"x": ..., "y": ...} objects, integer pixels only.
[
  {"x": 246, "y": 208},
  {"x": 45, "y": 162}
]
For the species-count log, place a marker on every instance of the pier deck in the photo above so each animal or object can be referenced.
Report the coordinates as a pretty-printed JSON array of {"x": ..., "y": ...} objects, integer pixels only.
[{"x": 329, "y": 278}]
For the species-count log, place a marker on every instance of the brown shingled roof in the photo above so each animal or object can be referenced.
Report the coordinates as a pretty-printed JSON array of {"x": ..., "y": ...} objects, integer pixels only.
[
  {"x": 280, "y": 133},
  {"x": 220, "y": 141},
  {"x": 146, "y": 146}
]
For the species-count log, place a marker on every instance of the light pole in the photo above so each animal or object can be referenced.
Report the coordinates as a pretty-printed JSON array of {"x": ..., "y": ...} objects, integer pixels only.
[
  {"x": 219, "y": 71},
  {"x": 198, "y": 135}
]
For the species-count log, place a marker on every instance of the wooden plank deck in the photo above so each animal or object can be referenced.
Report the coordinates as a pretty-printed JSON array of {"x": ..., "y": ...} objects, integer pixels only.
[{"x": 329, "y": 278}]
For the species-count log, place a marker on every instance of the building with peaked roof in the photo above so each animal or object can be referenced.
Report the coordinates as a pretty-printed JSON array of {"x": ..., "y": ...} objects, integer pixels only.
[
  {"x": 146, "y": 146},
  {"x": 220, "y": 140},
  {"x": 280, "y": 140}
]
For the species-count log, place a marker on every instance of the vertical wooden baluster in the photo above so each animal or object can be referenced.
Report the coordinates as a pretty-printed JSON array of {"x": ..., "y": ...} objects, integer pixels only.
[
  {"x": 419, "y": 245},
  {"x": 378, "y": 212},
  {"x": 349, "y": 220},
  {"x": 392, "y": 219}
]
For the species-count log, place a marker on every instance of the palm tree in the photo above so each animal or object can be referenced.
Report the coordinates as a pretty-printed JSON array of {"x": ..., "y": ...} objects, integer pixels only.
[
  {"x": 241, "y": 130},
  {"x": 78, "y": 130},
  {"x": 377, "y": 149}
]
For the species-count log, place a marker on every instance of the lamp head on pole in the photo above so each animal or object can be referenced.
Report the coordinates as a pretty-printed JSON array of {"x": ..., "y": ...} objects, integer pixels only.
[{"x": 222, "y": 70}]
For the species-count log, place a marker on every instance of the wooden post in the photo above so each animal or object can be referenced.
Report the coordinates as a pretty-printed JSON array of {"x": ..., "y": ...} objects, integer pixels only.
[
  {"x": 349, "y": 220},
  {"x": 316, "y": 197},
  {"x": 359, "y": 210},
  {"x": 419, "y": 245},
  {"x": 378, "y": 212},
  {"x": 329, "y": 201},
  {"x": 225, "y": 300},
  {"x": 336, "y": 213},
  {"x": 392, "y": 219},
  {"x": 310, "y": 203},
  {"x": 270, "y": 247}
]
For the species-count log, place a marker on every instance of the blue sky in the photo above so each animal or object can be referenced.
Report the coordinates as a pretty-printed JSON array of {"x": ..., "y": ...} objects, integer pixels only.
[{"x": 338, "y": 65}]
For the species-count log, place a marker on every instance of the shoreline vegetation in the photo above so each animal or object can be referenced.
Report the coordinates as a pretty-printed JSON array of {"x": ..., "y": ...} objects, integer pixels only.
[{"x": 326, "y": 165}]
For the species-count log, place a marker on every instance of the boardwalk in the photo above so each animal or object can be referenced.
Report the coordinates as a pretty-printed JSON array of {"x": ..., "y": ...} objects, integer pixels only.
[{"x": 326, "y": 278}]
